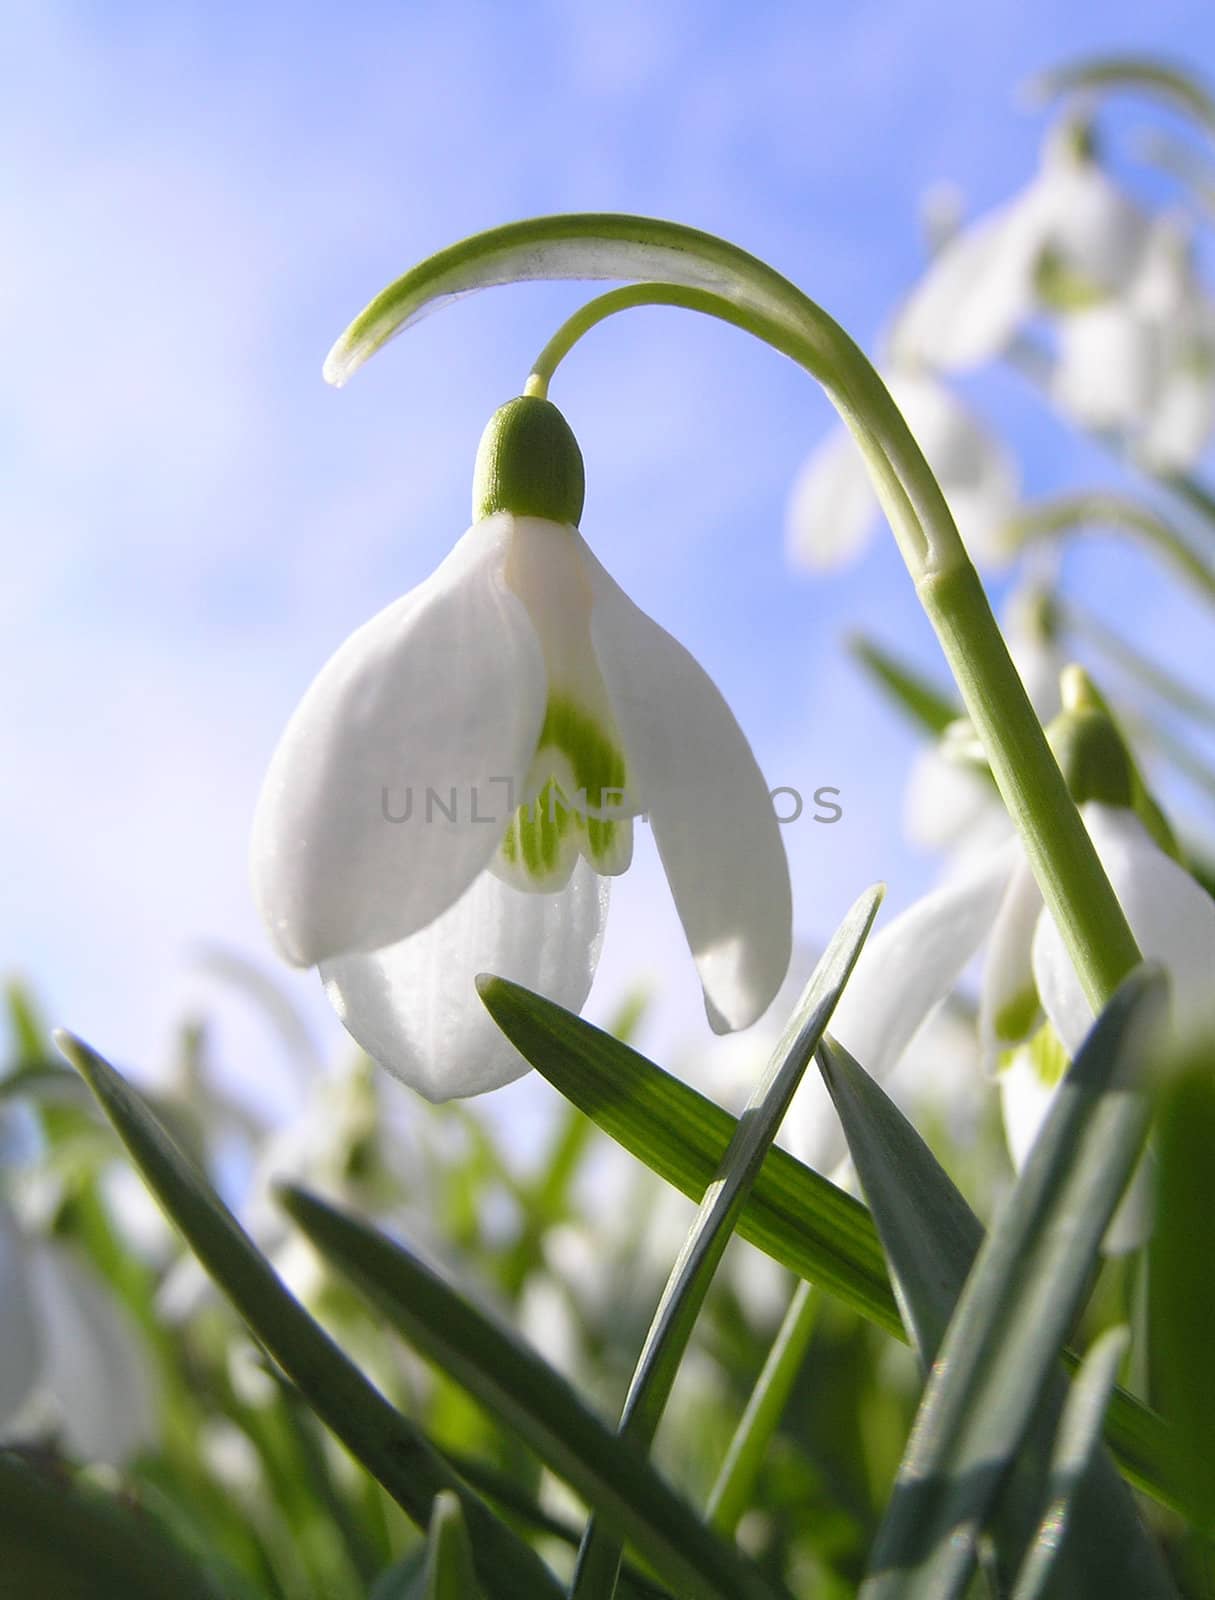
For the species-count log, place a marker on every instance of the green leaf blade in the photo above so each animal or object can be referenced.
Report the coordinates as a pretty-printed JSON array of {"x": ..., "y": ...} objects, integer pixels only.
[
  {"x": 692, "y": 1273},
  {"x": 377, "y": 1435},
  {"x": 534, "y": 1401},
  {"x": 1001, "y": 1344},
  {"x": 793, "y": 1213}
]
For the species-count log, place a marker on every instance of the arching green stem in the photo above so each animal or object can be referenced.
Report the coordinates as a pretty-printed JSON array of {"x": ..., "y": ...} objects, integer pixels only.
[
  {"x": 1158, "y": 80},
  {"x": 712, "y": 276},
  {"x": 1079, "y": 513}
]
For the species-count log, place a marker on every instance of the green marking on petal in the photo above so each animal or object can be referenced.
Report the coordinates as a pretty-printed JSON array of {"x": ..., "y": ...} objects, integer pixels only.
[
  {"x": 582, "y": 774},
  {"x": 594, "y": 761},
  {"x": 1047, "y": 1056},
  {"x": 1017, "y": 1016},
  {"x": 1062, "y": 288}
]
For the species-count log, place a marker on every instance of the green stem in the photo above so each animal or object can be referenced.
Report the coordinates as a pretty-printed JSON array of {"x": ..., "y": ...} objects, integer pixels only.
[
  {"x": 708, "y": 274},
  {"x": 1173, "y": 86},
  {"x": 1072, "y": 880},
  {"x": 1083, "y": 512},
  {"x": 731, "y": 1493},
  {"x": 1069, "y": 873}
]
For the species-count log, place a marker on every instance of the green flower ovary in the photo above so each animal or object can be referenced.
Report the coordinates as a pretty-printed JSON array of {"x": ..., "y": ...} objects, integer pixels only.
[{"x": 584, "y": 777}]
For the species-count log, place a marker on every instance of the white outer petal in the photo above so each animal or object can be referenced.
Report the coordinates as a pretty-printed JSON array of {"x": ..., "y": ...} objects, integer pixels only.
[
  {"x": 1008, "y": 972},
  {"x": 832, "y": 506},
  {"x": 1181, "y": 422},
  {"x": 1172, "y": 918},
  {"x": 1107, "y": 372},
  {"x": 97, "y": 1368},
  {"x": 444, "y": 688},
  {"x": 945, "y": 801},
  {"x": 20, "y": 1345},
  {"x": 414, "y": 1006},
  {"x": 912, "y": 964},
  {"x": 976, "y": 292},
  {"x": 1024, "y": 1102},
  {"x": 708, "y": 803},
  {"x": 1097, "y": 231}
]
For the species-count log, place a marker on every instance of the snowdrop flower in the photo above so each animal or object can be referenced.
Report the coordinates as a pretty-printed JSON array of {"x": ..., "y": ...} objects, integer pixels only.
[
  {"x": 69, "y": 1359},
  {"x": 460, "y": 781},
  {"x": 1070, "y": 238},
  {"x": 915, "y": 962},
  {"x": 1143, "y": 365},
  {"x": 833, "y": 508}
]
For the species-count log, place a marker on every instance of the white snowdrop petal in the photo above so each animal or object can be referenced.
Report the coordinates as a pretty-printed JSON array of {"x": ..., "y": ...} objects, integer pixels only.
[
  {"x": 429, "y": 714},
  {"x": 414, "y": 1008},
  {"x": 1009, "y": 1001},
  {"x": 95, "y": 1365},
  {"x": 944, "y": 800},
  {"x": 1171, "y": 916},
  {"x": 912, "y": 964},
  {"x": 1024, "y": 1101},
  {"x": 1107, "y": 369},
  {"x": 1181, "y": 422},
  {"x": 1094, "y": 228},
  {"x": 832, "y": 506},
  {"x": 976, "y": 291},
  {"x": 708, "y": 803}
]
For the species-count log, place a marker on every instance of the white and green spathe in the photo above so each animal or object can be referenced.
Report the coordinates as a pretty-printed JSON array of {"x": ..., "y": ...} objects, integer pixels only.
[{"x": 462, "y": 777}]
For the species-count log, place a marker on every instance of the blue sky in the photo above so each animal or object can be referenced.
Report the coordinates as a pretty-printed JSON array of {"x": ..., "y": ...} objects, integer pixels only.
[{"x": 196, "y": 200}]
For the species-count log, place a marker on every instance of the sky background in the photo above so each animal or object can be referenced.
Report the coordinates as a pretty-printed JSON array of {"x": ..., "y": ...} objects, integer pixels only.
[{"x": 194, "y": 202}]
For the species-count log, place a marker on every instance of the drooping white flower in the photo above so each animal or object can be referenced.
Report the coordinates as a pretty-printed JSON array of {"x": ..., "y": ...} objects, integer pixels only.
[
  {"x": 833, "y": 508},
  {"x": 1142, "y": 365},
  {"x": 71, "y": 1362},
  {"x": 910, "y": 966},
  {"x": 1071, "y": 237},
  {"x": 461, "y": 779},
  {"x": 1171, "y": 915}
]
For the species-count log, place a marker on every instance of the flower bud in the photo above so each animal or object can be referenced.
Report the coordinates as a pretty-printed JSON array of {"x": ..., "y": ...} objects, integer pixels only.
[
  {"x": 1092, "y": 757},
  {"x": 529, "y": 463}
]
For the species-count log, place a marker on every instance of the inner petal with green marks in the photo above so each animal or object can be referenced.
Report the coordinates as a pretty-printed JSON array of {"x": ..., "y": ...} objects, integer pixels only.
[
  {"x": 577, "y": 798},
  {"x": 1047, "y": 1056}
]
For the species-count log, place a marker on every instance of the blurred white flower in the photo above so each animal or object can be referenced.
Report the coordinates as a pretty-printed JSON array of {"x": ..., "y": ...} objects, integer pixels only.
[
  {"x": 908, "y": 969},
  {"x": 1070, "y": 238},
  {"x": 1142, "y": 365},
  {"x": 915, "y": 961},
  {"x": 521, "y": 687},
  {"x": 833, "y": 508},
  {"x": 71, "y": 1361}
]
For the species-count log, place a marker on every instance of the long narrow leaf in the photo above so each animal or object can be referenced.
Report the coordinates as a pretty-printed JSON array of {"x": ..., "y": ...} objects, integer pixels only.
[
  {"x": 1182, "y": 1290},
  {"x": 1078, "y": 1439},
  {"x": 933, "y": 1239},
  {"x": 535, "y": 1402},
  {"x": 792, "y": 1213},
  {"x": 698, "y": 1260},
  {"x": 1027, "y": 1283},
  {"x": 450, "y": 1572},
  {"x": 60, "y": 1540},
  {"x": 931, "y": 709},
  {"x": 796, "y": 1215},
  {"x": 384, "y": 1441}
]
